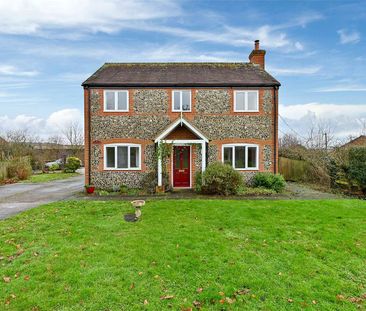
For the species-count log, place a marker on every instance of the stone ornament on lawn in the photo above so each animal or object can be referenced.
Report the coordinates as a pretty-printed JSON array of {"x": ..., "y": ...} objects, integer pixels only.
[{"x": 137, "y": 204}]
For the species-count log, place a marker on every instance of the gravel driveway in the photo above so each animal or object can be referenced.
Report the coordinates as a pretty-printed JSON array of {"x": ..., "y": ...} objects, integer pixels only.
[{"x": 16, "y": 198}]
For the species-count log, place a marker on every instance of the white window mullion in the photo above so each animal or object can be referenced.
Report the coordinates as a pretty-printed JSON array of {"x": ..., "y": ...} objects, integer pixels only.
[
  {"x": 246, "y": 101},
  {"x": 181, "y": 101},
  {"x": 246, "y": 157},
  {"x": 128, "y": 156},
  {"x": 233, "y": 153},
  {"x": 115, "y": 157}
]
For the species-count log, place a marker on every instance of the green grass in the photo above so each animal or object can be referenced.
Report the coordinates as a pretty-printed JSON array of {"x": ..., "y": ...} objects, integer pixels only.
[
  {"x": 281, "y": 255},
  {"x": 37, "y": 178}
]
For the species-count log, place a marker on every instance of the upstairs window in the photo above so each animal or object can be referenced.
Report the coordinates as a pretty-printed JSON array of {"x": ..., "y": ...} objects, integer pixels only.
[
  {"x": 246, "y": 101},
  {"x": 181, "y": 101},
  {"x": 122, "y": 157},
  {"x": 241, "y": 156},
  {"x": 115, "y": 100}
]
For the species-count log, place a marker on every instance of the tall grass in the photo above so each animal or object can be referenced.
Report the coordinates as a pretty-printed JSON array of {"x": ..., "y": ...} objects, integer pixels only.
[
  {"x": 18, "y": 168},
  {"x": 4, "y": 170}
]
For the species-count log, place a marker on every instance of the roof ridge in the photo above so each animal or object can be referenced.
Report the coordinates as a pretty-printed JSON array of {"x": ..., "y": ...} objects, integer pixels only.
[{"x": 179, "y": 63}]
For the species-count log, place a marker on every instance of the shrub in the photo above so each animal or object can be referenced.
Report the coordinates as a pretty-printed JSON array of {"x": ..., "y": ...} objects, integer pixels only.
[
  {"x": 123, "y": 189},
  {"x": 20, "y": 168},
  {"x": 198, "y": 182},
  {"x": 150, "y": 181},
  {"x": 257, "y": 191},
  {"x": 272, "y": 181},
  {"x": 54, "y": 167},
  {"x": 4, "y": 170},
  {"x": 357, "y": 166},
  {"x": 72, "y": 164},
  {"x": 219, "y": 178}
]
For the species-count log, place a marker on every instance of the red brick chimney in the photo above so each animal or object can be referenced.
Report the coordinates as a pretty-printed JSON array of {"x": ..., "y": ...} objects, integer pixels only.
[{"x": 257, "y": 55}]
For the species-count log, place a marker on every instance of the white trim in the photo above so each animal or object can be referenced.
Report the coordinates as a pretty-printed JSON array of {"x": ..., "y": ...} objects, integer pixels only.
[
  {"x": 190, "y": 165},
  {"x": 115, "y": 101},
  {"x": 183, "y": 142},
  {"x": 160, "y": 170},
  {"x": 115, "y": 168},
  {"x": 181, "y": 101},
  {"x": 175, "y": 124},
  {"x": 246, "y": 100},
  {"x": 246, "y": 156}
]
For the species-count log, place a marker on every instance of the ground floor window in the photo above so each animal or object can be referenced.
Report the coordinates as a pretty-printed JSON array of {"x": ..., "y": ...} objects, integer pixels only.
[
  {"x": 241, "y": 156},
  {"x": 122, "y": 156}
]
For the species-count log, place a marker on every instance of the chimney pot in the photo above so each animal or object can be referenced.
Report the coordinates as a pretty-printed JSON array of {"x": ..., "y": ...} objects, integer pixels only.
[
  {"x": 256, "y": 44},
  {"x": 257, "y": 56}
]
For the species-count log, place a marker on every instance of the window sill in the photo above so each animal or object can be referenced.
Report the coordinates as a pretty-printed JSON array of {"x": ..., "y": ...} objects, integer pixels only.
[
  {"x": 121, "y": 169},
  {"x": 246, "y": 111},
  {"x": 116, "y": 111},
  {"x": 246, "y": 169}
]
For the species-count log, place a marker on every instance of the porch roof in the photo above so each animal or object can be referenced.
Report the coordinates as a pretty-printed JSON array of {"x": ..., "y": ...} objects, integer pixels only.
[{"x": 180, "y": 122}]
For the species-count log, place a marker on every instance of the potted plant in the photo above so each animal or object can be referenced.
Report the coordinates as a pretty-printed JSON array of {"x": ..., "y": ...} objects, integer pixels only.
[{"x": 90, "y": 189}]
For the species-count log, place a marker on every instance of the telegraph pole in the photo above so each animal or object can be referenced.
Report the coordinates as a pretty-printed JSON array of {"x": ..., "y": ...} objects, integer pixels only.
[{"x": 326, "y": 141}]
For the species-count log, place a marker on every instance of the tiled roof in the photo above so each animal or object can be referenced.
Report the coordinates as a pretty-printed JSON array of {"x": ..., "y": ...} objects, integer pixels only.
[{"x": 180, "y": 74}]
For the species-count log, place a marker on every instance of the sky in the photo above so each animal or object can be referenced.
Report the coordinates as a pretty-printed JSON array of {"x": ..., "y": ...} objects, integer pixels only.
[{"x": 316, "y": 49}]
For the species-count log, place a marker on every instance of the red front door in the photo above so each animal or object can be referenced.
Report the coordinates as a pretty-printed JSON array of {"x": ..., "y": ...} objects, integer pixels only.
[{"x": 182, "y": 166}]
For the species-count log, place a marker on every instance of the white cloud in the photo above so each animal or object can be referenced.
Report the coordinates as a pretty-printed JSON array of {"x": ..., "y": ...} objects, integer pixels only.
[
  {"x": 68, "y": 19},
  {"x": 342, "y": 88},
  {"x": 37, "y": 16},
  {"x": 344, "y": 119},
  {"x": 62, "y": 118},
  {"x": 294, "y": 71},
  {"x": 9, "y": 70},
  {"x": 347, "y": 36},
  {"x": 42, "y": 127}
]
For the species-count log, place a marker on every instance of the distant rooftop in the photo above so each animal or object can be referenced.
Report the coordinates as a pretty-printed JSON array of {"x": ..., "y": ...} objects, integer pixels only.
[{"x": 180, "y": 74}]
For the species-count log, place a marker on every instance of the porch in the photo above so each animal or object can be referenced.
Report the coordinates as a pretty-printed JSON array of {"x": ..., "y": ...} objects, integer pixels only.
[{"x": 188, "y": 143}]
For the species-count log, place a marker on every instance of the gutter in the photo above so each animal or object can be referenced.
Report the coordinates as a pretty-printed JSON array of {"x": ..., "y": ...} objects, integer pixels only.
[
  {"x": 191, "y": 85},
  {"x": 275, "y": 127},
  {"x": 89, "y": 135}
]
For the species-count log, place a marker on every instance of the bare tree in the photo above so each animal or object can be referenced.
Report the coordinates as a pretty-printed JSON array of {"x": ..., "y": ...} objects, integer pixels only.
[
  {"x": 73, "y": 134},
  {"x": 363, "y": 126},
  {"x": 289, "y": 140},
  {"x": 19, "y": 143},
  {"x": 320, "y": 135}
]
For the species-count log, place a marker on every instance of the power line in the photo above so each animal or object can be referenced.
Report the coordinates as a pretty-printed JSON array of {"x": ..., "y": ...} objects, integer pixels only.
[{"x": 282, "y": 118}]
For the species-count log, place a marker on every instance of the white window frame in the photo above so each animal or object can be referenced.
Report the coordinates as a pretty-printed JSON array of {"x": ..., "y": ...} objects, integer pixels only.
[
  {"x": 115, "y": 168},
  {"x": 181, "y": 101},
  {"x": 115, "y": 101},
  {"x": 246, "y": 156},
  {"x": 246, "y": 100}
]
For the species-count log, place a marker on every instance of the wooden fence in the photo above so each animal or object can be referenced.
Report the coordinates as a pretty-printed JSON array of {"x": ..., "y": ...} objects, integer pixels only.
[{"x": 294, "y": 170}]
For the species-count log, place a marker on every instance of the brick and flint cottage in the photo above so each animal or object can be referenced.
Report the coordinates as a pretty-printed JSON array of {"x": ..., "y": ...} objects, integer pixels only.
[{"x": 205, "y": 112}]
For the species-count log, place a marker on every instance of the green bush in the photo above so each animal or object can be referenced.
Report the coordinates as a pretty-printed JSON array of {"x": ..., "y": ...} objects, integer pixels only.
[
  {"x": 271, "y": 181},
  {"x": 150, "y": 182},
  {"x": 54, "y": 167},
  {"x": 198, "y": 182},
  {"x": 219, "y": 178},
  {"x": 72, "y": 164},
  {"x": 123, "y": 189},
  {"x": 257, "y": 191},
  {"x": 357, "y": 166}
]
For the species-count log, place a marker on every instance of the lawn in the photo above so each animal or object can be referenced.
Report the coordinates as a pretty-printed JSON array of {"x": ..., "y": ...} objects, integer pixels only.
[
  {"x": 213, "y": 254},
  {"x": 37, "y": 178}
]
